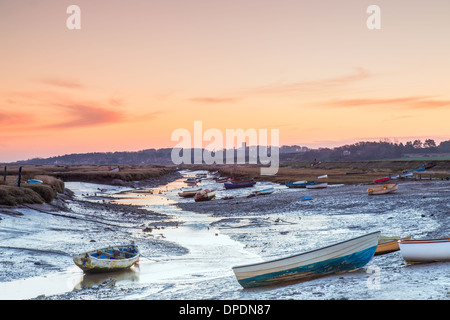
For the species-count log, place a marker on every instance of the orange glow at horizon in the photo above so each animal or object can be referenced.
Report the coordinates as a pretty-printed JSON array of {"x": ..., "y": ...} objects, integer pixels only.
[{"x": 138, "y": 70}]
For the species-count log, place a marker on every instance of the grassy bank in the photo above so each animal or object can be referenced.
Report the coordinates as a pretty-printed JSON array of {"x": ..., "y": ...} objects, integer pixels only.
[
  {"x": 92, "y": 173},
  {"x": 338, "y": 172},
  {"x": 11, "y": 194},
  {"x": 53, "y": 177}
]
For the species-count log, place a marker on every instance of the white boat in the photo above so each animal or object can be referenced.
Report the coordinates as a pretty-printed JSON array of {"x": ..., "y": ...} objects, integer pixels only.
[
  {"x": 317, "y": 186},
  {"x": 341, "y": 257},
  {"x": 189, "y": 193},
  {"x": 107, "y": 259},
  {"x": 264, "y": 191},
  {"x": 426, "y": 250}
]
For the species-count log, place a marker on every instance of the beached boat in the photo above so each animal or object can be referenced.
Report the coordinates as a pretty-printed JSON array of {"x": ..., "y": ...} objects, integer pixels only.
[
  {"x": 381, "y": 180},
  {"x": 388, "y": 244},
  {"x": 205, "y": 195},
  {"x": 263, "y": 191},
  {"x": 190, "y": 181},
  {"x": 239, "y": 184},
  {"x": 426, "y": 250},
  {"x": 382, "y": 189},
  {"x": 317, "y": 186},
  {"x": 188, "y": 193},
  {"x": 300, "y": 184},
  {"x": 340, "y": 257},
  {"x": 107, "y": 259},
  {"x": 35, "y": 181}
]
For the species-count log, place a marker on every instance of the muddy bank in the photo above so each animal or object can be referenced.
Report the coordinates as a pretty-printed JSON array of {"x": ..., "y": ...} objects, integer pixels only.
[
  {"x": 38, "y": 239},
  {"x": 413, "y": 203}
]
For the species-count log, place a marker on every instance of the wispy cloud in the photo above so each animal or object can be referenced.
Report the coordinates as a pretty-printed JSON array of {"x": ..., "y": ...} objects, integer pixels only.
[
  {"x": 402, "y": 102},
  {"x": 81, "y": 115},
  {"x": 302, "y": 87},
  {"x": 359, "y": 74},
  {"x": 8, "y": 118},
  {"x": 62, "y": 82},
  {"x": 213, "y": 100}
]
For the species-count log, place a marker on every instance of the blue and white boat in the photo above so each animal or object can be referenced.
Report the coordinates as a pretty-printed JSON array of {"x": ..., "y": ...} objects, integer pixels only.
[
  {"x": 337, "y": 258},
  {"x": 268, "y": 190},
  {"x": 35, "y": 181},
  {"x": 239, "y": 184},
  {"x": 300, "y": 184}
]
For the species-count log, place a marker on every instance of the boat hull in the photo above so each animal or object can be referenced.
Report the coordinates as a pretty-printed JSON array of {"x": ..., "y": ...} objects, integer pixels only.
[
  {"x": 188, "y": 194},
  {"x": 429, "y": 250},
  {"x": 239, "y": 185},
  {"x": 341, "y": 257},
  {"x": 383, "y": 189},
  {"x": 389, "y": 246},
  {"x": 301, "y": 185},
  {"x": 317, "y": 186},
  {"x": 91, "y": 262}
]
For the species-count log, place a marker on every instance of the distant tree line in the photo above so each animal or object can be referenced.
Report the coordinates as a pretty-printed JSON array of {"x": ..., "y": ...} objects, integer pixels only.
[
  {"x": 358, "y": 151},
  {"x": 370, "y": 151}
]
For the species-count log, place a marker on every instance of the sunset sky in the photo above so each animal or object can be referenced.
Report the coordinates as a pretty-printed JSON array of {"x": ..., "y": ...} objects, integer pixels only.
[{"x": 139, "y": 69}]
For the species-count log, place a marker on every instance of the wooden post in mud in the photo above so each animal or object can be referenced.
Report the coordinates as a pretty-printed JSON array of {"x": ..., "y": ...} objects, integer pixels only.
[
  {"x": 19, "y": 176},
  {"x": 4, "y": 175}
]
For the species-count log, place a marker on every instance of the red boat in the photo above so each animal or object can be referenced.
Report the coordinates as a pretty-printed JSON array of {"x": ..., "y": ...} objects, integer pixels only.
[{"x": 381, "y": 180}]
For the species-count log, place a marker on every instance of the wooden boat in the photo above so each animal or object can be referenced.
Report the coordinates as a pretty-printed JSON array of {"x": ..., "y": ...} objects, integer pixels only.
[
  {"x": 426, "y": 250},
  {"x": 239, "y": 184},
  {"x": 264, "y": 191},
  {"x": 340, "y": 257},
  {"x": 388, "y": 244},
  {"x": 188, "y": 193},
  {"x": 205, "y": 195},
  {"x": 107, "y": 259},
  {"x": 382, "y": 189},
  {"x": 317, "y": 186},
  {"x": 300, "y": 184}
]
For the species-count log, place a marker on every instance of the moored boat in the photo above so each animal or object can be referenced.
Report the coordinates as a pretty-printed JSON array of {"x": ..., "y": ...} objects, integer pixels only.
[
  {"x": 188, "y": 193},
  {"x": 190, "y": 181},
  {"x": 239, "y": 184},
  {"x": 388, "y": 244},
  {"x": 263, "y": 191},
  {"x": 317, "y": 186},
  {"x": 382, "y": 189},
  {"x": 35, "y": 181},
  {"x": 425, "y": 250},
  {"x": 300, "y": 184},
  {"x": 107, "y": 259},
  {"x": 205, "y": 195},
  {"x": 381, "y": 180},
  {"x": 340, "y": 257}
]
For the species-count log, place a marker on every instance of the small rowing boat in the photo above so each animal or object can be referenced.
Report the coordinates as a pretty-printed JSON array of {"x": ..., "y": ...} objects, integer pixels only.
[
  {"x": 263, "y": 191},
  {"x": 188, "y": 193},
  {"x": 317, "y": 186},
  {"x": 239, "y": 184},
  {"x": 300, "y": 184},
  {"x": 382, "y": 189},
  {"x": 35, "y": 181},
  {"x": 340, "y": 257},
  {"x": 426, "y": 250},
  {"x": 107, "y": 259},
  {"x": 205, "y": 195}
]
